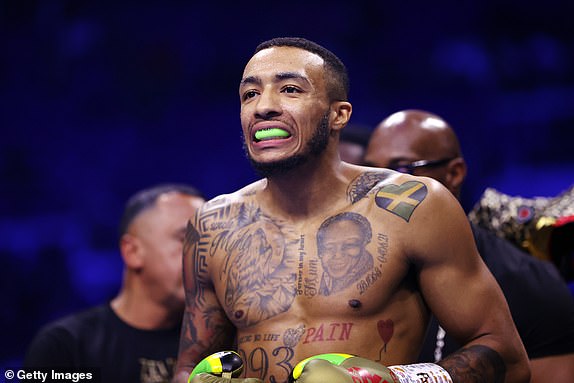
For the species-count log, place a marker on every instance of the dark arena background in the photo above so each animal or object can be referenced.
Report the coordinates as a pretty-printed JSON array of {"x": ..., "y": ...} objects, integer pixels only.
[{"x": 101, "y": 98}]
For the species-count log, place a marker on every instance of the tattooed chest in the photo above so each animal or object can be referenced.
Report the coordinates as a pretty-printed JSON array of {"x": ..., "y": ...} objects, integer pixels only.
[{"x": 264, "y": 265}]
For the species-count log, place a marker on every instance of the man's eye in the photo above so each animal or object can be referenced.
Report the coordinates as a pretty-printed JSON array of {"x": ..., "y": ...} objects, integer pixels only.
[
  {"x": 249, "y": 94},
  {"x": 290, "y": 89}
]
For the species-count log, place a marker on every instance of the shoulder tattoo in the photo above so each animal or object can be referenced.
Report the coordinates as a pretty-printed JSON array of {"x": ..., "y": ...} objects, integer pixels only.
[
  {"x": 361, "y": 185},
  {"x": 401, "y": 200}
]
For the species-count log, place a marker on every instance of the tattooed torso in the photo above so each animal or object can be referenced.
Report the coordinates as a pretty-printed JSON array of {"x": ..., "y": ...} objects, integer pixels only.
[{"x": 340, "y": 282}]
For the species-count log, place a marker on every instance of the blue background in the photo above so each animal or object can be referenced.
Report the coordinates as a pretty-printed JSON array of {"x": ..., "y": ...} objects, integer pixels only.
[{"x": 99, "y": 99}]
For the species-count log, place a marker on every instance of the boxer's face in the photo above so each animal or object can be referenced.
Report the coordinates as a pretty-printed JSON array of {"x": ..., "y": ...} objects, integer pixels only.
[
  {"x": 160, "y": 231},
  {"x": 283, "y": 93}
]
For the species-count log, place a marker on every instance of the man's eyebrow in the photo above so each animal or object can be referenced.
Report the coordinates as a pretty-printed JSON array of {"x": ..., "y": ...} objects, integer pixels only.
[
  {"x": 291, "y": 75},
  {"x": 250, "y": 80},
  {"x": 281, "y": 76}
]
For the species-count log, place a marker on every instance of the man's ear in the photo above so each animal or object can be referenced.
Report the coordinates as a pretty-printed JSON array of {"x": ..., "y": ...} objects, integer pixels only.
[
  {"x": 455, "y": 175},
  {"x": 341, "y": 113},
  {"x": 130, "y": 248}
]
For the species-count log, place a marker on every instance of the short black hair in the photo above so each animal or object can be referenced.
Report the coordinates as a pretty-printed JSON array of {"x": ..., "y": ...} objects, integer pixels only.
[
  {"x": 337, "y": 76},
  {"x": 146, "y": 198}
]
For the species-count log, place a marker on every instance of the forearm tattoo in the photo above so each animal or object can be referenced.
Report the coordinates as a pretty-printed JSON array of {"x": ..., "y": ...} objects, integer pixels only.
[
  {"x": 213, "y": 320},
  {"x": 475, "y": 364}
]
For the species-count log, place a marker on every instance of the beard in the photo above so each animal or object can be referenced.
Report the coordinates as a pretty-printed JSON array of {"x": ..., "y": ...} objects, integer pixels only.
[{"x": 316, "y": 145}]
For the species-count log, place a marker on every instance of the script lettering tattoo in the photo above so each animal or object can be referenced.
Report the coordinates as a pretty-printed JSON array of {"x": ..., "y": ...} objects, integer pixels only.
[
  {"x": 369, "y": 280},
  {"x": 312, "y": 280},
  {"x": 341, "y": 246},
  {"x": 383, "y": 247},
  {"x": 306, "y": 285},
  {"x": 301, "y": 265},
  {"x": 259, "y": 263},
  {"x": 329, "y": 332},
  {"x": 475, "y": 364},
  {"x": 361, "y": 185}
]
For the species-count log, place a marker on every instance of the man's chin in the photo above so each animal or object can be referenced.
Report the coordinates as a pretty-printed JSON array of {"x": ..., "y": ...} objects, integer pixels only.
[{"x": 277, "y": 168}]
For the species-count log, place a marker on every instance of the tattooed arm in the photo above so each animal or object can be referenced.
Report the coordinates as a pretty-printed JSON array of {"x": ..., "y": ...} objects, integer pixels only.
[
  {"x": 475, "y": 364},
  {"x": 205, "y": 328},
  {"x": 463, "y": 294}
]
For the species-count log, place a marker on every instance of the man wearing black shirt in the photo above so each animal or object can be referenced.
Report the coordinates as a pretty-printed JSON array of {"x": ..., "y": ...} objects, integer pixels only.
[
  {"x": 423, "y": 144},
  {"x": 135, "y": 337}
]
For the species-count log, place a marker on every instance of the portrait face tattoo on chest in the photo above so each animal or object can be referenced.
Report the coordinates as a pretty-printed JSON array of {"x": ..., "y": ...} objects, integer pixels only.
[{"x": 342, "y": 248}]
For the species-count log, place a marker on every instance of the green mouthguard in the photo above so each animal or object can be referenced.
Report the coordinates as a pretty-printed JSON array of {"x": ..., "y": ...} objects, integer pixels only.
[{"x": 271, "y": 133}]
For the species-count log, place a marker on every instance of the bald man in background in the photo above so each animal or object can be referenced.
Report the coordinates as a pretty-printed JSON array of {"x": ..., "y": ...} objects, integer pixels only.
[{"x": 423, "y": 144}]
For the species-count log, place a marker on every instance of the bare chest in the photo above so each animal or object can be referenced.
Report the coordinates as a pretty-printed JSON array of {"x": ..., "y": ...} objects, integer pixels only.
[{"x": 339, "y": 265}]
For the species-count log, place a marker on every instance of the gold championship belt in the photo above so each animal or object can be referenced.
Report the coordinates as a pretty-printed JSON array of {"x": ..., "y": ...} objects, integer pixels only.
[{"x": 542, "y": 226}]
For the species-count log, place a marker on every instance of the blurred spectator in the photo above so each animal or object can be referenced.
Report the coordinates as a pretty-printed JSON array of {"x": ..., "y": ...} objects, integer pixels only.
[
  {"x": 135, "y": 337},
  {"x": 423, "y": 144}
]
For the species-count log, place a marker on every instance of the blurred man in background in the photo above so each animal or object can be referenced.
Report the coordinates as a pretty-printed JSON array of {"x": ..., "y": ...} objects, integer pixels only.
[
  {"x": 423, "y": 144},
  {"x": 135, "y": 337}
]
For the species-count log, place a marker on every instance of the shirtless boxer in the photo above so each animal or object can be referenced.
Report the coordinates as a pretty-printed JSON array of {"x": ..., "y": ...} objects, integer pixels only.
[{"x": 259, "y": 278}]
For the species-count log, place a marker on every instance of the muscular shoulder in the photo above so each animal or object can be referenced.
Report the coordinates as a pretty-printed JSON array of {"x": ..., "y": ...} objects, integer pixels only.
[
  {"x": 228, "y": 200},
  {"x": 419, "y": 211},
  {"x": 399, "y": 193},
  {"x": 225, "y": 204}
]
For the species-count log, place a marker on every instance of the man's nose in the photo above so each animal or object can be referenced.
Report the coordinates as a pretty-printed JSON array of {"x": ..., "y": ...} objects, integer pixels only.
[{"x": 268, "y": 104}]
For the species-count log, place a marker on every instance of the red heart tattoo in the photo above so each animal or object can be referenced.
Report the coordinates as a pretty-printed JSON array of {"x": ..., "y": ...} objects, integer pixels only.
[{"x": 386, "y": 329}]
